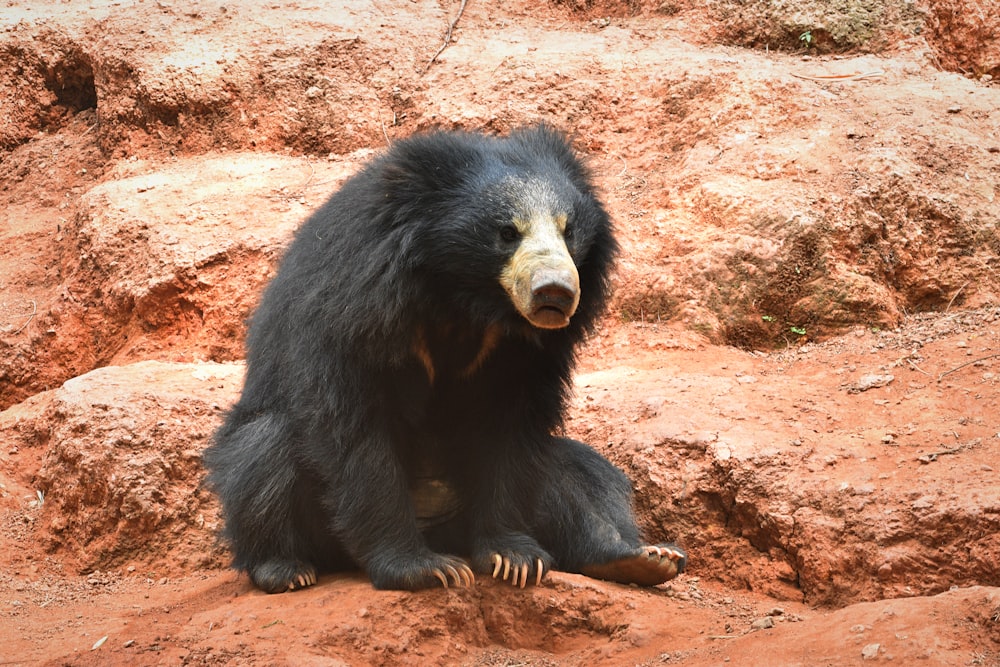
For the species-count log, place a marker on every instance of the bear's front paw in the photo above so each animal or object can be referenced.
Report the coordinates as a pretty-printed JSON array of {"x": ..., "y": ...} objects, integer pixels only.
[
  {"x": 278, "y": 575},
  {"x": 517, "y": 564},
  {"x": 417, "y": 572}
]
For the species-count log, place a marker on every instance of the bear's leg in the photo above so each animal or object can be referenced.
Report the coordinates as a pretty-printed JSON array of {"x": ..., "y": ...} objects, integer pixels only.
[
  {"x": 501, "y": 489},
  {"x": 366, "y": 492},
  {"x": 586, "y": 521},
  {"x": 262, "y": 497}
]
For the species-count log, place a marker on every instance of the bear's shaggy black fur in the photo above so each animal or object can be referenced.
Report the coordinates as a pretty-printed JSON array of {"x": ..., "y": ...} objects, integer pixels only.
[{"x": 407, "y": 369}]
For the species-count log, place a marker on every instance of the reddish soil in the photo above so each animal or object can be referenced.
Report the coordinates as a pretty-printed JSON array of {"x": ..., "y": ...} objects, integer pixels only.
[{"x": 800, "y": 370}]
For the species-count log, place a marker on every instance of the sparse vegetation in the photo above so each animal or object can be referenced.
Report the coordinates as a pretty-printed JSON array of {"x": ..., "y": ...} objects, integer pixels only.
[{"x": 825, "y": 25}]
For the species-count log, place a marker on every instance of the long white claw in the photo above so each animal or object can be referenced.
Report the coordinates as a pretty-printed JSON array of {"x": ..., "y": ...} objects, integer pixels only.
[
  {"x": 497, "y": 563},
  {"x": 506, "y": 568},
  {"x": 524, "y": 575},
  {"x": 443, "y": 579},
  {"x": 538, "y": 572}
]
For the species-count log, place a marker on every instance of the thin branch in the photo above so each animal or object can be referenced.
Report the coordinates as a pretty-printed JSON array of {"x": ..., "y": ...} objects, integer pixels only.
[
  {"x": 836, "y": 78},
  {"x": 932, "y": 457},
  {"x": 447, "y": 36},
  {"x": 918, "y": 368},
  {"x": 968, "y": 363},
  {"x": 34, "y": 309},
  {"x": 955, "y": 296},
  {"x": 378, "y": 109}
]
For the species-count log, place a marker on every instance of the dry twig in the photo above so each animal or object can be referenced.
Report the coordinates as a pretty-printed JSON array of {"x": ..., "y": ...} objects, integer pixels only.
[
  {"x": 968, "y": 363},
  {"x": 954, "y": 296},
  {"x": 931, "y": 457},
  {"x": 837, "y": 78},
  {"x": 918, "y": 368},
  {"x": 378, "y": 109},
  {"x": 34, "y": 309},
  {"x": 447, "y": 37}
]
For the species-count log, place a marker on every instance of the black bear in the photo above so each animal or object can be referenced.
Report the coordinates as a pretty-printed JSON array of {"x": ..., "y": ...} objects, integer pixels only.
[{"x": 407, "y": 371}]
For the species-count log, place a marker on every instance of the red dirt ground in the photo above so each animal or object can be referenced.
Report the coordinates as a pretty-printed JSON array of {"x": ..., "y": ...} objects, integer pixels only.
[{"x": 799, "y": 372}]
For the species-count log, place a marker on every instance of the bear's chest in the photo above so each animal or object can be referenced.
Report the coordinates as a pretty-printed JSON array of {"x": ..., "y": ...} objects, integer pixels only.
[{"x": 449, "y": 354}]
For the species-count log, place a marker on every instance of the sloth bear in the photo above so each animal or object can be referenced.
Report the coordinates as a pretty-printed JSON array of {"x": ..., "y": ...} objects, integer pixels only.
[{"x": 408, "y": 368}]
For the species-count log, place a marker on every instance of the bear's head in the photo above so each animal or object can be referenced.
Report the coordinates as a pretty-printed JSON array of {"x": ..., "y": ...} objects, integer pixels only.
[
  {"x": 508, "y": 227},
  {"x": 539, "y": 275}
]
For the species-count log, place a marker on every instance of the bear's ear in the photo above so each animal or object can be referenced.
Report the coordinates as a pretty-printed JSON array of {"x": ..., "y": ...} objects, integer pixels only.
[
  {"x": 545, "y": 140},
  {"x": 429, "y": 167}
]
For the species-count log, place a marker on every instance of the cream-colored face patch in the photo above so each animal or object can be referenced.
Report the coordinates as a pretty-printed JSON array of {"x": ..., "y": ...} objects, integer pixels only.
[{"x": 541, "y": 277}]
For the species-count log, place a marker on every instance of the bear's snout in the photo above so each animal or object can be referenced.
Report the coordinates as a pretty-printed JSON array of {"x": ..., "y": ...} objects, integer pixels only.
[
  {"x": 554, "y": 295},
  {"x": 541, "y": 277}
]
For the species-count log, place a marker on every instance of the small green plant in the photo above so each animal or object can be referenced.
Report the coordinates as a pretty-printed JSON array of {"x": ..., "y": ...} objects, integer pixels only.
[
  {"x": 806, "y": 38},
  {"x": 801, "y": 331},
  {"x": 704, "y": 328},
  {"x": 767, "y": 318}
]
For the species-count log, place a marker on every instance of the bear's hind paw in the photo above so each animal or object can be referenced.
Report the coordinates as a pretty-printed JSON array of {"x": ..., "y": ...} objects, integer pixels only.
[{"x": 649, "y": 566}]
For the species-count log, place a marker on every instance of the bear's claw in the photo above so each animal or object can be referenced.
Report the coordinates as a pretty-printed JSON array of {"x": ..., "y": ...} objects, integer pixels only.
[
  {"x": 460, "y": 575},
  {"x": 665, "y": 551},
  {"x": 520, "y": 577},
  {"x": 303, "y": 579}
]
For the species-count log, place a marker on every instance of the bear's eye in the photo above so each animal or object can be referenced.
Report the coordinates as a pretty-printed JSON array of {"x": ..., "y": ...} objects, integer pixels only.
[
  {"x": 568, "y": 231},
  {"x": 509, "y": 233}
]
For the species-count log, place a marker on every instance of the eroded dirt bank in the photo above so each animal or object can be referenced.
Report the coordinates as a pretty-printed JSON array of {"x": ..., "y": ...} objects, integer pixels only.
[{"x": 799, "y": 372}]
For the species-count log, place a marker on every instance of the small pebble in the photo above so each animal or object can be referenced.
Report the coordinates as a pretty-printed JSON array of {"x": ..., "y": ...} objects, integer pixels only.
[{"x": 870, "y": 652}]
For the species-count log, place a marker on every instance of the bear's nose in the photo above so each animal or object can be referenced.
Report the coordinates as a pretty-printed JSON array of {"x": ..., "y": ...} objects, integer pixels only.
[
  {"x": 555, "y": 296},
  {"x": 554, "y": 291}
]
